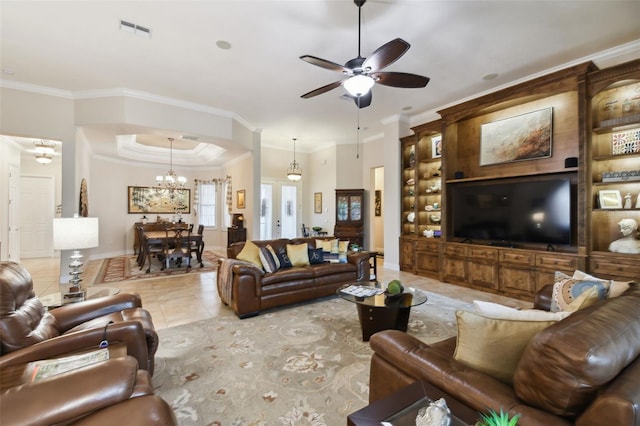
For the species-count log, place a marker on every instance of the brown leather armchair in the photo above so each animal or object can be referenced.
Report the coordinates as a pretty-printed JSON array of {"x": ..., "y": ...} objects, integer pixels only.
[
  {"x": 109, "y": 392},
  {"x": 28, "y": 332}
]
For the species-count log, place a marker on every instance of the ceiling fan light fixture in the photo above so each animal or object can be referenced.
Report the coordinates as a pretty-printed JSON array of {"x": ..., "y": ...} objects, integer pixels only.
[{"x": 359, "y": 85}]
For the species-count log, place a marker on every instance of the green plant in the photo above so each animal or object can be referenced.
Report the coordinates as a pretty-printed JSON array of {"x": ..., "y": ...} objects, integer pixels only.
[{"x": 498, "y": 419}]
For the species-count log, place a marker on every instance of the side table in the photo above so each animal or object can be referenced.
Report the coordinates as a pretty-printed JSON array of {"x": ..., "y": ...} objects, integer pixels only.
[
  {"x": 54, "y": 300},
  {"x": 401, "y": 408}
]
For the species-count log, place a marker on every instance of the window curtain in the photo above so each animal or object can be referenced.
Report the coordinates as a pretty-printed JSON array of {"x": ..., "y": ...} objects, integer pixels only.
[{"x": 229, "y": 195}]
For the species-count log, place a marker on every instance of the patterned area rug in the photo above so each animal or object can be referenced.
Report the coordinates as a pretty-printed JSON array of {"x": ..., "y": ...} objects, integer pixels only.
[
  {"x": 301, "y": 365},
  {"x": 124, "y": 268}
]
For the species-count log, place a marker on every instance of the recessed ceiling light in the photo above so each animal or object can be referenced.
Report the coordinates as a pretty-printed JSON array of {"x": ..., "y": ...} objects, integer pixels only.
[
  {"x": 490, "y": 76},
  {"x": 223, "y": 44}
]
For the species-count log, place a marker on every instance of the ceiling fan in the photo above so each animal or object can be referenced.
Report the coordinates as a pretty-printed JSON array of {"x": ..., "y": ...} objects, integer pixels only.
[{"x": 362, "y": 73}]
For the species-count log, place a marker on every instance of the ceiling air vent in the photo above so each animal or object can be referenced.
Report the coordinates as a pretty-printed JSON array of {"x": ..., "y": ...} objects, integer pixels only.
[
  {"x": 189, "y": 137},
  {"x": 130, "y": 27}
]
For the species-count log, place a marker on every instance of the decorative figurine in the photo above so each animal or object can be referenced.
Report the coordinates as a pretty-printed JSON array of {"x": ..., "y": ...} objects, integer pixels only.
[
  {"x": 629, "y": 243},
  {"x": 627, "y": 201},
  {"x": 436, "y": 414}
]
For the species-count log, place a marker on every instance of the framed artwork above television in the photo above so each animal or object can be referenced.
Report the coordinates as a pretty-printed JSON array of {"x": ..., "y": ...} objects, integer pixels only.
[{"x": 519, "y": 138}]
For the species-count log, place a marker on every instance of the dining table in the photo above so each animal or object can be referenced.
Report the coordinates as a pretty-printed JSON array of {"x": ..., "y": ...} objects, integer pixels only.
[{"x": 151, "y": 238}]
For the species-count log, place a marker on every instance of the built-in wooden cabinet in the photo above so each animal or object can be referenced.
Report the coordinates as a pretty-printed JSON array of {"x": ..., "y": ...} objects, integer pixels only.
[
  {"x": 350, "y": 215},
  {"x": 614, "y": 136},
  {"x": 595, "y": 137}
]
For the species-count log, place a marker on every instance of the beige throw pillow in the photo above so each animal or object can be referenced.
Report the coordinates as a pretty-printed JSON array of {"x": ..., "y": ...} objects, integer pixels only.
[
  {"x": 298, "y": 254},
  {"x": 250, "y": 253},
  {"x": 494, "y": 346}
]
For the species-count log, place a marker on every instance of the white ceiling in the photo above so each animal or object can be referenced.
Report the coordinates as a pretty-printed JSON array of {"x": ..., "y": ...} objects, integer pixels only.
[{"x": 77, "y": 47}]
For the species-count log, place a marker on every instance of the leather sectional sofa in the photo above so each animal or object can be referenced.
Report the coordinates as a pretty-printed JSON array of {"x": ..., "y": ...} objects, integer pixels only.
[
  {"x": 253, "y": 290},
  {"x": 582, "y": 370}
]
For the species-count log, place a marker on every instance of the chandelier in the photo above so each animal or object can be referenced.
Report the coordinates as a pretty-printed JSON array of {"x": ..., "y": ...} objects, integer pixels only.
[
  {"x": 170, "y": 182},
  {"x": 294, "y": 172},
  {"x": 44, "y": 151}
]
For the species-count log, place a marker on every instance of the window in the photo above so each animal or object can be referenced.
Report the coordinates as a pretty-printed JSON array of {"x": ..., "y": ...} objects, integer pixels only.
[{"x": 207, "y": 204}]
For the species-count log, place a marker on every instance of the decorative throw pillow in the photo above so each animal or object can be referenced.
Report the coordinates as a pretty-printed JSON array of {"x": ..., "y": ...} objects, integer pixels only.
[
  {"x": 284, "y": 260},
  {"x": 343, "y": 246},
  {"x": 324, "y": 245},
  {"x": 616, "y": 288},
  {"x": 316, "y": 256},
  {"x": 298, "y": 254},
  {"x": 334, "y": 245},
  {"x": 250, "y": 253},
  {"x": 566, "y": 289},
  {"x": 496, "y": 311},
  {"x": 493, "y": 346},
  {"x": 269, "y": 259},
  {"x": 587, "y": 298}
]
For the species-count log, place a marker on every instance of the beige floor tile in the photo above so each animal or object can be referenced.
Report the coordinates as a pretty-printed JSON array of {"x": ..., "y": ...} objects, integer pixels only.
[{"x": 181, "y": 299}]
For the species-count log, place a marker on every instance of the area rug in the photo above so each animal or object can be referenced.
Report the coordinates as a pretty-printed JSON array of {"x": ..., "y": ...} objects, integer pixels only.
[
  {"x": 301, "y": 365},
  {"x": 125, "y": 268}
]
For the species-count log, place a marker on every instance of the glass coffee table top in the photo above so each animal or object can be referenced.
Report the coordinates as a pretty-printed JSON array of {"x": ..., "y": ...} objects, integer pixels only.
[{"x": 408, "y": 298}]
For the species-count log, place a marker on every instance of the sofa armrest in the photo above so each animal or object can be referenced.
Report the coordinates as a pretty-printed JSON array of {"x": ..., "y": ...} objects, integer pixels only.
[
  {"x": 66, "y": 396},
  {"x": 246, "y": 290},
  {"x": 130, "y": 333},
  {"x": 542, "y": 298},
  {"x": 361, "y": 260},
  {"x": 73, "y": 314}
]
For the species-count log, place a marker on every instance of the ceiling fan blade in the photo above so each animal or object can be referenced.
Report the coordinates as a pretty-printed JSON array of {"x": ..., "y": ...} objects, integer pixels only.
[
  {"x": 400, "y": 79},
  {"x": 364, "y": 100},
  {"x": 323, "y": 63},
  {"x": 385, "y": 55},
  {"x": 322, "y": 89}
]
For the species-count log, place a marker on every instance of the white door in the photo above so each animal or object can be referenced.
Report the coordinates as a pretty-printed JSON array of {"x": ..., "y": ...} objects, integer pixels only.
[
  {"x": 36, "y": 219},
  {"x": 13, "y": 246},
  {"x": 279, "y": 210}
]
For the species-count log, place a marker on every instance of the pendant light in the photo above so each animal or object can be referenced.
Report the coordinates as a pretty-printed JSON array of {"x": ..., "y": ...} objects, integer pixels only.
[{"x": 294, "y": 172}]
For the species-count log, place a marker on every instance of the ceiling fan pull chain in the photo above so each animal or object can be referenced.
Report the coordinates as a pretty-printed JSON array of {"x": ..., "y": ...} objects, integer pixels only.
[{"x": 358, "y": 130}]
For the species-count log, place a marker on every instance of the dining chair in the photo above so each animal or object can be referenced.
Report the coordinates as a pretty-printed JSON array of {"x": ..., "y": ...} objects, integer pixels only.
[{"x": 177, "y": 246}]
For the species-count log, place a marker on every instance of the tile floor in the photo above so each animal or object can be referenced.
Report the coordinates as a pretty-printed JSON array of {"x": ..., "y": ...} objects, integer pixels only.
[{"x": 180, "y": 299}]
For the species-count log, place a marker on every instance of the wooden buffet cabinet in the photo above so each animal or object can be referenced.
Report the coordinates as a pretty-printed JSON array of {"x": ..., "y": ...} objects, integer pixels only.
[{"x": 577, "y": 95}]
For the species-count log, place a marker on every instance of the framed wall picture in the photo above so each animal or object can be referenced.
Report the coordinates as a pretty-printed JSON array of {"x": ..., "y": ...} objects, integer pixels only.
[
  {"x": 610, "y": 199},
  {"x": 317, "y": 202},
  {"x": 436, "y": 146},
  {"x": 378, "y": 202},
  {"x": 144, "y": 199},
  {"x": 519, "y": 138},
  {"x": 240, "y": 201}
]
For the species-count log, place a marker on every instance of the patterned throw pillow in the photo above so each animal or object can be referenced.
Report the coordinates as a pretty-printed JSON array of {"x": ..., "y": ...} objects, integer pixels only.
[
  {"x": 284, "y": 260},
  {"x": 269, "y": 259},
  {"x": 566, "y": 289},
  {"x": 343, "y": 246},
  {"x": 316, "y": 256}
]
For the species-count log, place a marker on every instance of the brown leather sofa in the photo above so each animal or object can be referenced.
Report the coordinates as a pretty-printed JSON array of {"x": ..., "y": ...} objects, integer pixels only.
[
  {"x": 582, "y": 370},
  {"x": 28, "y": 332},
  {"x": 112, "y": 392},
  {"x": 253, "y": 290}
]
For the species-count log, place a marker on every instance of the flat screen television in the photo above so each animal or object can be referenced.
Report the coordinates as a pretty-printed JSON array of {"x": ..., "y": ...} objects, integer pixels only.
[{"x": 531, "y": 211}]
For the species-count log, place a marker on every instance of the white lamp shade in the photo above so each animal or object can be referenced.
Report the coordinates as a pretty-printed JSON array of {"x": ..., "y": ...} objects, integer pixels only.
[
  {"x": 359, "y": 85},
  {"x": 73, "y": 233}
]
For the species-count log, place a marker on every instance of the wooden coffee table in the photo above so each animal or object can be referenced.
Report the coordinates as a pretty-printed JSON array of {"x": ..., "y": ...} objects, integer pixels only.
[
  {"x": 401, "y": 408},
  {"x": 381, "y": 312}
]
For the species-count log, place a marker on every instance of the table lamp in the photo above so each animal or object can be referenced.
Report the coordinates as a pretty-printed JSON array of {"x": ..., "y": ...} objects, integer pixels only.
[{"x": 75, "y": 233}]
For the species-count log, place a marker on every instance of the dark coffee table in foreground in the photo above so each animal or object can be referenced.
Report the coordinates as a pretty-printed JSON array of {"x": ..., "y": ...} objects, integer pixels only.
[
  {"x": 401, "y": 408},
  {"x": 380, "y": 312}
]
